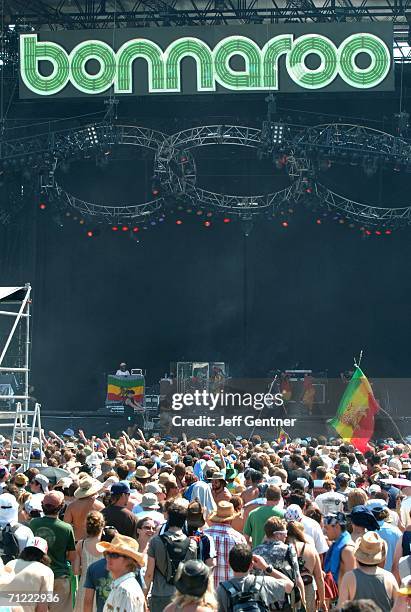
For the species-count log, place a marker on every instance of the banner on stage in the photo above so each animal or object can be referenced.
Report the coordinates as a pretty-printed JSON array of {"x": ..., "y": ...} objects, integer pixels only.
[
  {"x": 331, "y": 57},
  {"x": 119, "y": 388}
]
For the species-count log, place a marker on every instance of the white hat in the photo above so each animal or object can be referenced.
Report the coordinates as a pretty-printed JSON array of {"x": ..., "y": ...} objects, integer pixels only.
[
  {"x": 374, "y": 488},
  {"x": 293, "y": 513},
  {"x": 149, "y": 500},
  {"x": 9, "y": 509},
  {"x": 39, "y": 543},
  {"x": 34, "y": 503}
]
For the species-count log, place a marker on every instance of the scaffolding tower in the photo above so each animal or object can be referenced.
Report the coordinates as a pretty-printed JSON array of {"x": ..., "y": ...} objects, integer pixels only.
[{"x": 17, "y": 419}]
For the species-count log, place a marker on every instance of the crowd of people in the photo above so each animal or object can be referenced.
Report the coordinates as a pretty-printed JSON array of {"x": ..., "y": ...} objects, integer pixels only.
[{"x": 136, "y": 524}]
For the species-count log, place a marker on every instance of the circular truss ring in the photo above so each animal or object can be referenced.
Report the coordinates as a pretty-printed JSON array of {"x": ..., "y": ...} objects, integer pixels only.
[
  {"x": 179, "y": 145},
  {"x": 97, "y": 137}
]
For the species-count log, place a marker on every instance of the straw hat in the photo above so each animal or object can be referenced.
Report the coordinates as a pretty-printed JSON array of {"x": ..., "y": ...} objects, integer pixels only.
[
  {"x": 225, "y": 513},
  {"x": 87, "y": 487},
  {"x": 370, "y": 549},
  {"x": 142, "y": 472},
  {"x": 123, "y": 545}
]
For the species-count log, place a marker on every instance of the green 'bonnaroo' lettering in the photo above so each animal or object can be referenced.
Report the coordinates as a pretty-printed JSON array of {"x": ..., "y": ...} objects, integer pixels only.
[{"x": 213, "y": 65}]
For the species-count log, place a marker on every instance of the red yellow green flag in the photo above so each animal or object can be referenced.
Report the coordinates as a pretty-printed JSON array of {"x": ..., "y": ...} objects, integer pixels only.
[
  {"x": 354, "y": 420},
  {"x": 121, "y": 387}
]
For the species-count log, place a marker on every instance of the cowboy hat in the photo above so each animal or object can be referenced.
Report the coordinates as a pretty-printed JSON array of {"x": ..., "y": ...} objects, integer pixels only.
[
  {"x": 218, "y": 476},
  {"x": 370, "y": 549},
  {"x": 87, "y": 487},
  {"x": 225, "y": 513},
  {"x": 123, "y": 545}
]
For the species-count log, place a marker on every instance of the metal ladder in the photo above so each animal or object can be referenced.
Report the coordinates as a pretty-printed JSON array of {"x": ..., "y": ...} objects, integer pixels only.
[{"x": 25, "y": 426}]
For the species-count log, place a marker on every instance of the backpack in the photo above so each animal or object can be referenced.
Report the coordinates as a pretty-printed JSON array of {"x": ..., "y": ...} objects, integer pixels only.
[
  {"x": 293, "y": 599},
  {"x": 176, "y": 553},
  {"x": 245, "y": 598},
  {"x": 9, "y": 545},
  {"x": 203, "y": 545}
]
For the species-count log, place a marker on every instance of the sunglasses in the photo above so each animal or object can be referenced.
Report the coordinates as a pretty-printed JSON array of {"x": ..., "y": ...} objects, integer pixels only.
[
  {"x": 113, "y": 555},
  {"x": 148, "y": 528}
]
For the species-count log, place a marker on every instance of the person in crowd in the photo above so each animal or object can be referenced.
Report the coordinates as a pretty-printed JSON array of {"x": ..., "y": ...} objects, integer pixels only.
[
  {"x": 270, "y": 588},
  {"x": 9, "y": 509},
  {"x": 254, "y": 525},
  {"x": 340, "y": 556},
  {"x": 123, "y": 559},
  {"x": 32, "y": 574},
  {"x": 224, "y": 537},
  {"x": 165, "y": 552},
  {"x": 61, "y": 547},
  {"x": 309, "y": 564},
  {"x": 117, "y": 514},
  {"x": 206, "y": 551},
  {"x": 39, "y": 485},
  {"x": 122, "y": 370},
  {"x": 369, "y": 580},
  {"x": 194, "y": 589},
  {"x": 85, "y": 502},
  {"x": 219, "y": 488},
  {"x": 86, "y": 553},
  {"x": 150, "y": 507},
  {"x": 97, "y": 584}
]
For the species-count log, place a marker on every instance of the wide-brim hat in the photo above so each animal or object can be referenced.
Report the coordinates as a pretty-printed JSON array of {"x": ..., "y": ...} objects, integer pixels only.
[
  {"x": 192, "y": 578},
  {"x": 225, "y": 513},
  {"x": 218, "y": 476},
  {"x": 122, "y": 545},
  {"x": 370, "y": 549},
  {"x": 87, "y": 487},
  {"x": 142, "y": 473}
]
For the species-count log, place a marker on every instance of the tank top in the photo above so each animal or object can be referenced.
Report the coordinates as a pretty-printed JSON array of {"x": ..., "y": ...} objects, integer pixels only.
[{"x": 371, "y": 586}]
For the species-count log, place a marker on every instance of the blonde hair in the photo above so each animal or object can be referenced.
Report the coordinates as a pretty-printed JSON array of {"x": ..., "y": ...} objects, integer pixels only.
[{"x": 207, "y": 599}]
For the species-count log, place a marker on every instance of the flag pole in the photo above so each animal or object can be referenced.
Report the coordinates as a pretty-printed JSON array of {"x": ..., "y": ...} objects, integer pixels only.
[{"x": 357, "y": 364}]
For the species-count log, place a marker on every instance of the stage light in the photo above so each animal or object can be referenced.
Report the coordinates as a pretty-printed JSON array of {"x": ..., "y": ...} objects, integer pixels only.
[
  {"x": 199, "y": 212},
  {"x": 90, "y": 234},
  {"x": 207, "y": 223},
  {"x": 284, "y": 223},
  {"x": 209, "y": 214},
  {"x": 388, "y": 232},
  {"x": 42, "y": 206},
  {"x": 114, "y": 228},
  {"x": 378, "y": 232},
  {"x": 155, "y": 186},
  {"x": 68, "y": 214},
  {"x": 227, "y": 220},
  {"x": 136, "y": 229},
  {"x": 124, "y": 228},
  {"x": 367, "y": 233},
  {"x": 82, "y": 222},
  {"x": 318, "y": 221},
  {"x": 179, "y": 222},
  {"x": 189, "y": 210}
]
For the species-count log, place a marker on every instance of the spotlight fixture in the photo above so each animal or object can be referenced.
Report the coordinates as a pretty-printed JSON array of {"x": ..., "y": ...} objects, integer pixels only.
[
  {"x": 179, "y": 222},
  {"x": 90, "y": 234},
  {"x": 42, "y": 206},
  {"x": 207, "y": 223},
  {"x": 226, "y": 220},
  {"x": 92, "y": 136},
  {"x": 155, "y": 186}
]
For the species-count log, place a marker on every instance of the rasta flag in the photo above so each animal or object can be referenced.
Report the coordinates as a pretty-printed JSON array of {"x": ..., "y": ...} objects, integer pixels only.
[
  {"x": 354, "y": 420},
  {"x": 121, "y": 387}
]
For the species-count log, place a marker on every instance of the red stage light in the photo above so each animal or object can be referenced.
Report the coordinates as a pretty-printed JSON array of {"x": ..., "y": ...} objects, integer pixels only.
[
  {"x": 388, "y": 232},
  {"x": 135, "y": 229},
  {"x": 284, "y": 223},
  {"x": 309, "y": 190},
  {"x": 90, "y": 234},
  {"x": 42, "y": 206},
  {"x": 207, "y": 223},
  {"x": 179, "y": 222},
  {"x": 367, "y": 232},
  {"x": 124, "y": 228},
  {"x": 115, "y": 228},
  {"x": 227, "y": 220},
  {"x": 378, "y": 233},
  {"x": 155, "y": 192},
  {"x": 318, "y": 221}
]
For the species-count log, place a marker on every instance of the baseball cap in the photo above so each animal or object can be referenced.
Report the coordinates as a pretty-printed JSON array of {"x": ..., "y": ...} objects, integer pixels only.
[
  {"x": 374, "y": 488},
  {"x": 293, "y": 513},
  {"x": 119, "y": 488},
  {"x": 53, "y": 499},
  {"x": 33, "y": 504},
  {"x": 43, "y": 481},
  {"x": 39, "y": 543}
]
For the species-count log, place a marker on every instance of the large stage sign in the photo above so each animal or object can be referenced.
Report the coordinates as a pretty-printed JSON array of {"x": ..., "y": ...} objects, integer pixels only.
[{"x": 220, "y": 59}]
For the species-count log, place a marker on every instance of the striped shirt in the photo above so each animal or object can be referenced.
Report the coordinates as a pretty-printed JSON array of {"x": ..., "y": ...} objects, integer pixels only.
[{"x": 225, "y": 537}]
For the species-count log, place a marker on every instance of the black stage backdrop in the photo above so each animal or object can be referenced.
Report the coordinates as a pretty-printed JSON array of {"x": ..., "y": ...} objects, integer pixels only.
[{"x": 315, "y": 293}]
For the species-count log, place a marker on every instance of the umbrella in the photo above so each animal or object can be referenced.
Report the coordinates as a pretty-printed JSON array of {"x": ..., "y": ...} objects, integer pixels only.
[
  {"x": 397, "y": 482},
  {"x": 54, "y": 474}
]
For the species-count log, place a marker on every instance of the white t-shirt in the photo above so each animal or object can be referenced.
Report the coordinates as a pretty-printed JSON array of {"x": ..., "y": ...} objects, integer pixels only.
[
  {"x": 122, "y": 373},
  {"x": 313, "y": 529},
  {"x": 30, "y": 577},
  {"x": 330, "y": 502}
]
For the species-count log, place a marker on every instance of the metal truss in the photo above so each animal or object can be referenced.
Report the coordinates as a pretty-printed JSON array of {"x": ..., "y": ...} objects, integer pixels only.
[
  {"x": 363, "y": 214},
  {"x": 87, "y": 14},
  {"x": 179, "y": 145},
  {"x": 343, "y": 140},
  {"x": 174, "y": 166}
]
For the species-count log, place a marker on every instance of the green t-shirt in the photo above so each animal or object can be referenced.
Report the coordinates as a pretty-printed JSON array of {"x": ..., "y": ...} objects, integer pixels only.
[
  {"x": 254, "y": 525},
  {"x": 60, "y": 539}
]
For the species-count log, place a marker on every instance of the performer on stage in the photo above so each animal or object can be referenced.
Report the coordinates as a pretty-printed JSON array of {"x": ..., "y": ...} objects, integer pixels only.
[
  {"x": 133, "y": 412},
  {"x": 123, "y": 371}
]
